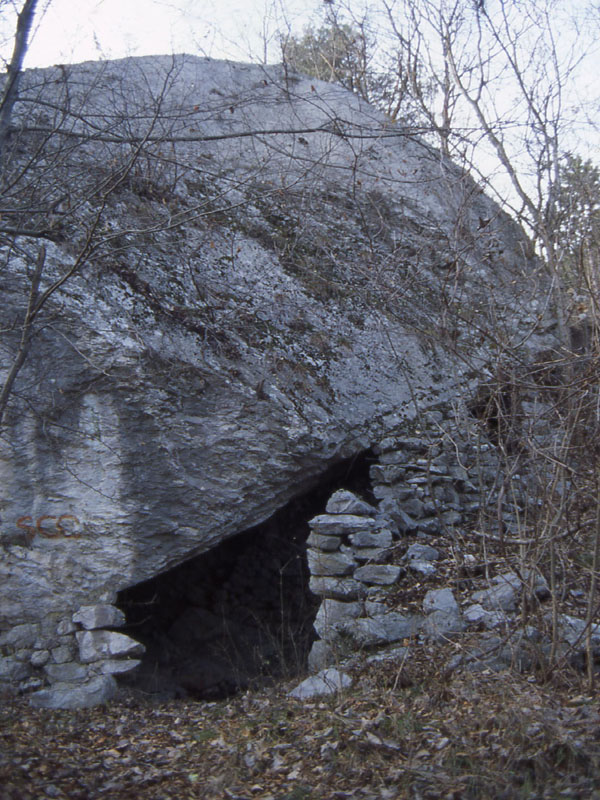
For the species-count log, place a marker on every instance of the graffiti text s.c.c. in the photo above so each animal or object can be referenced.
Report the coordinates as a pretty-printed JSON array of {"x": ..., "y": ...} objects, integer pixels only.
[{"x": 50, "y": 526}]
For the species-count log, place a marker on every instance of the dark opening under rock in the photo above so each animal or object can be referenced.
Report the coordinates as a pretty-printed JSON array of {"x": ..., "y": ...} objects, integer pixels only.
[{"x": 240, "y": 614}]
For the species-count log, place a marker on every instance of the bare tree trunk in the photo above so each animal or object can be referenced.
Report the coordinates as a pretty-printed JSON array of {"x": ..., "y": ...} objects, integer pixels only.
[
  {"x": 10, "y": 91},
  {"x": 26, "y": 334}
]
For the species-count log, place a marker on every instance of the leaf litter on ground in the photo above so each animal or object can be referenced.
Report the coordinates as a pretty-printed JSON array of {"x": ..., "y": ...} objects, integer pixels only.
[{"x": 429, "y": 735}]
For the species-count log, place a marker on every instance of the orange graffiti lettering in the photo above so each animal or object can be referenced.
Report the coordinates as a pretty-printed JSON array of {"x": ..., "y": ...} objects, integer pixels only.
[{"x": 26, "y": 524}]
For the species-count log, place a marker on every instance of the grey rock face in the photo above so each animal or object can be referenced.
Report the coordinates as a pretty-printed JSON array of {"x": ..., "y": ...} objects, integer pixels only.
[
  {"x": 370, "y": 554},
  {"x": 20, "y": 636},
  {"x": 115, "y": 666},
  {"x": 66, "y": 673},
  {"x": 443, "y": 615},
  {"x": 321, "y": 655},
  {"x": 573, "y": 631},
  {"x": 11, "y": 669},
  {"x": 39, "y": 658},
  {"x": 191, "y": 380},
  {"x": 441, "y": 624}
]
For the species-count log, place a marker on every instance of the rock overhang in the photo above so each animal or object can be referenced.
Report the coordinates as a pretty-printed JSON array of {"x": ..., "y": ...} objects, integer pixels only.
[{"x": 268, "y": 310}]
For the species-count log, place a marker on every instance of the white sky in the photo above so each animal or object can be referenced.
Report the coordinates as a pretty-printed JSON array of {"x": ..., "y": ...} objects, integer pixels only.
[{"x": 69, "y": 31}]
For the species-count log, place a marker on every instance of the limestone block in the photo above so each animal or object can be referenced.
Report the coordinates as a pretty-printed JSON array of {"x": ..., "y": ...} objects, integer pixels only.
[
  {"x": 418, "y": 480},
  {"x": 39, "y": 658},
  {"x": 336, "y": 588},
  {"x": 113, "y": 666},
  {"x": 501, "y": 595},
  {"x": 374, "y": 608},
  {"x": 332, "y": 564},
  {"x": 97, "y": 645},
  {"x": 391, "y": 507},
  {"x": 328, "y": 681},
  {"x": 345, "y": 502},
  {"x": 22, "y": 655},
  {"x": 396, "y": 452},
  {"x": 70, "y": 695},
  {"x": 321, "y": 655},
  {"x": 442, "y": 624},
  {"x": 460, "y": 474},
  {"x": 391, "y": 627},
  {"x": 573, "y": 631},
  {"x": 367, "y": 539},
  {"x": 370, "y": 554},
  {"x": 340, "y": 524},
  {"x": 383, "y": 492},
  {"x": 397, "y": 654},
  {"x": 424, "y": 568},
  {"x": 13, "y": 670},
  {"x": 451, "y": 517},
  {"x": 99, "y": 616},
  {"x": 476, "y": 614},
  {"x": 495, "y": 653},
  {"x": 333, "y": 614},
  {"x": 538, "y": 582},
  {"x": 413, "y": 507},
  {"x": 430, "y": 525},
  {"x": 71, "y": 672},
  {"x": 63, "y": 653},
  {"x": 327, "y": 543},
  {"x": 447, "y": 495},
  {"x": 65, "y": 626},
  {"x": 422, "y": 552},
  {"x": 440, "y": 600},
  {"x": 380, "y": 574}
]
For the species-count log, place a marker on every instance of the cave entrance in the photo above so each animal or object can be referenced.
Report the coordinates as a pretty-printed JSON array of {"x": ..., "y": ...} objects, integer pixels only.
[{"x": 241, "y": 614}]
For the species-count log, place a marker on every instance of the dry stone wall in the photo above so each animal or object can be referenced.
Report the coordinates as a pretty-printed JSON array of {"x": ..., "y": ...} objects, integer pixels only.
[
  {"x": 68, "y": 662},
  {"x": 431, "y": 482},
  {"x": 443, "y": 483}
]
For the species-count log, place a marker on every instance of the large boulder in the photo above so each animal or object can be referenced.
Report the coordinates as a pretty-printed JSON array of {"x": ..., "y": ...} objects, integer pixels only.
[{"x": 269, "y": 276}]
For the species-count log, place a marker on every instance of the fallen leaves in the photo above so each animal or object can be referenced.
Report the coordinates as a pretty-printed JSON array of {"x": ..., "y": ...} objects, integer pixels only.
[{"x": 468, "y": 736}]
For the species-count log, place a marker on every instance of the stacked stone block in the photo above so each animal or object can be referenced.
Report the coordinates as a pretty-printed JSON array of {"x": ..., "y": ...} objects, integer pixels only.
[
  {"x": 439, "y": 479},
  {"x": 70, "y": 661},
  {"x": 427, "y": 484},
  {"x": 349, "y": 546}
]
